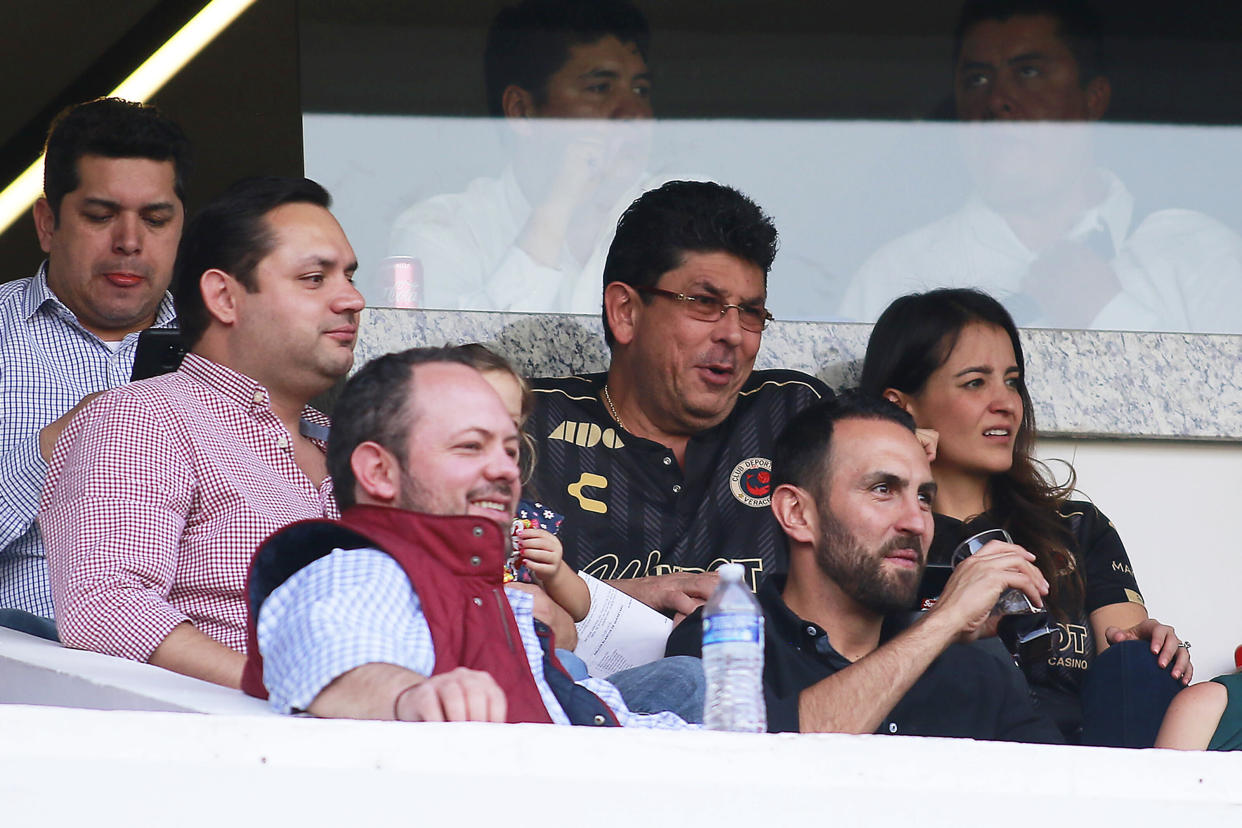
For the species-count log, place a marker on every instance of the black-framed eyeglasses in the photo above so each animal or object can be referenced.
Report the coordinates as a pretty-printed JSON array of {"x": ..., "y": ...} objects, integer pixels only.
[{"x": 708, "y": 308}]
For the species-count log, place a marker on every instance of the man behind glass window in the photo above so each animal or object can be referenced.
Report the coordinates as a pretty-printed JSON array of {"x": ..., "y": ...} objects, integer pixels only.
[
  {"x": 570, "y": 78},
  {"x": 109, "y": 221},
  {"x": 1059, "y": 240}
]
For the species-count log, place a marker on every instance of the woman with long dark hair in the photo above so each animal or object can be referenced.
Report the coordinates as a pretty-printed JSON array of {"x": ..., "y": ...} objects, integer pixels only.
[{"x": 953, "y": 359}]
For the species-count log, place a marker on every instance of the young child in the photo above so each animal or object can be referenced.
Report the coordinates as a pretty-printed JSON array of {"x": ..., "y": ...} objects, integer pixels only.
[{"x": 537, "y": 550}]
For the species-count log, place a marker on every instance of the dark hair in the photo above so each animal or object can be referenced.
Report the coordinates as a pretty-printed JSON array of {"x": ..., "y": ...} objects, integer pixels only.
[
  {"x": 486, "y": 361},
  {"x": 112, "y": 128},
  {"x": 528, "y": 42},
  {"x": 374, "y": 407},
  {"x": 231, "y": 234},
  {"x": 804, "y": 448},
  {"x": 662, "y": 225},
  {"x": 912, "y": 338},
  {"x": 1077, "y": 24}
]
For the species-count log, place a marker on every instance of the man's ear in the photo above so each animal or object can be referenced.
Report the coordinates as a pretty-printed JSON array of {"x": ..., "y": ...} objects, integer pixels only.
[
  {"x": 1099, "y": 95},
  {"x": 518, "y": 105},
  {"x": 376, "y": 472},
  {"x": 623, "y": 307},
  {"x": 45, "y": 223},
  {"x": 219, "y": 291},
  {"x": 796, "y": 512}
]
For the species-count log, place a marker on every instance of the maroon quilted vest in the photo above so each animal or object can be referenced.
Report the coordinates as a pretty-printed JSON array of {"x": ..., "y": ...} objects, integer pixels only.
[{"x": 454, "y": 563}]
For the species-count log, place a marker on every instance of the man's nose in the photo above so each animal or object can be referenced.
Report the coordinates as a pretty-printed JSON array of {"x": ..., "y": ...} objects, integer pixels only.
[
  {"x": 127, "y": 233},
  {"x": 349, "y": 300},
  {"x": 729, "y": 327},
  {"x": 504, "y": 468},
  {"x": 1002, "y": 104},
  {"x": 912, "y": 519}
]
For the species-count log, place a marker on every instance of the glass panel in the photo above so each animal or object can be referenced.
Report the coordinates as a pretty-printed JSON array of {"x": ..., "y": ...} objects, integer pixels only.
[{"x": 842, "y": 127}]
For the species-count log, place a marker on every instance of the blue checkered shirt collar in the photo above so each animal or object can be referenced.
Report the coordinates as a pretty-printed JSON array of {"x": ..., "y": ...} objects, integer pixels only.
[{"x": 39, "y": 295}]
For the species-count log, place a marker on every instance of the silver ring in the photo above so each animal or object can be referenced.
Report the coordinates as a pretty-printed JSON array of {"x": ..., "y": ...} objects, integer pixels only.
[{"x": 1185, "y": 644}]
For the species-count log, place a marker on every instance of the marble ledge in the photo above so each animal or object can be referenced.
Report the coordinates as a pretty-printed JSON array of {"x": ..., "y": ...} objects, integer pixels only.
[{"x": 1099, "y": 384}]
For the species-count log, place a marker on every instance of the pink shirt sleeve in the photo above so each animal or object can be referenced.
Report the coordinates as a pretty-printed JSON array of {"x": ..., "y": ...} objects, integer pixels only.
[{"x": 114, "y": 505}]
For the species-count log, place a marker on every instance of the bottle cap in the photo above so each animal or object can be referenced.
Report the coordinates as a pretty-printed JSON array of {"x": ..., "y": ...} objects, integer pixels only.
[{"x": 731, "y": 572}]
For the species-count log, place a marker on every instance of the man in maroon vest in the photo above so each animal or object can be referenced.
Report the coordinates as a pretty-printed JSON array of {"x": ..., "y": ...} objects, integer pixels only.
[{"x": 398, "y": 610}]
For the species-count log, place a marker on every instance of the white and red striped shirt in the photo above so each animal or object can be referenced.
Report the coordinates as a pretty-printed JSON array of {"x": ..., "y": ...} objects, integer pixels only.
[{"x": 156, "y": 498}]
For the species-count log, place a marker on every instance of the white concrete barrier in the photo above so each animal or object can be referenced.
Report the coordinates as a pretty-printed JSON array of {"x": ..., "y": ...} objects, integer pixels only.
[
  {"x": 97, "y": 768},
  {"x": 128, "y": 761},
  {"x": 35, "y": 671}
]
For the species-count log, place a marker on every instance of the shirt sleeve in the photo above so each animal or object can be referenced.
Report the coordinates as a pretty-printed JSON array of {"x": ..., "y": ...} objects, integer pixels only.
[
  {"x": 114, "y": 507},
  {"x": 347, "y": 609},
  {"x": 22, "y": 471},
  {"x": 1107, "y": 571}
]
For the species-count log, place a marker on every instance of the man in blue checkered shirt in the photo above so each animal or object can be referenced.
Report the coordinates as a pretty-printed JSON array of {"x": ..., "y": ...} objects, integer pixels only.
[
  {"x": 109, "y": 221},
  {"x": 398, "y": 610}
]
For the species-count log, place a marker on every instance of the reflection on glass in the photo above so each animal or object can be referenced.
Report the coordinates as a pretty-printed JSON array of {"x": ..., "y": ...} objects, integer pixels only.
[
  {"x": 1068, "y": 220},
  {"x": 571, "y": 82},
  {"x": 1056, "y": 237},
  {"x": 535, "y": 237}
]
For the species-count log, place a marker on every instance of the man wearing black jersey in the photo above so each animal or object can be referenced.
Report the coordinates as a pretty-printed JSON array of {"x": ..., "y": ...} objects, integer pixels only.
[{"x": 662, "y": 464}]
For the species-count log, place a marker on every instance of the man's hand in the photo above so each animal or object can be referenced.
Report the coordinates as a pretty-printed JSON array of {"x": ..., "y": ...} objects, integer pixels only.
[
  {"x": 1165, "y": 645},
  {"x": 977, "y": 583},
  {"x": 460, "y": 695},
  {"x": 1071, "y": 283},
  {"x": 678, "y": 593},
  {"x": 552, "y": 614},
  {"x": 51, "y": 432}
]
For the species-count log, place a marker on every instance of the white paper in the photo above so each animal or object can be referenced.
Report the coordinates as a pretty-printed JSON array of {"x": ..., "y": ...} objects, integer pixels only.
[{"x": 619, "y": 632}]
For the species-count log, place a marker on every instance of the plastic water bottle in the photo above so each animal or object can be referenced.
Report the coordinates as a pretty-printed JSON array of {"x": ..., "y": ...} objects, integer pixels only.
[{"x": 733, "y": 656}]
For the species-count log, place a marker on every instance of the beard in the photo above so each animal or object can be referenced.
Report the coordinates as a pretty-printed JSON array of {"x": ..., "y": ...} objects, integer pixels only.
[
  {"x": 861, "y": 574},
  {"x": 415, "y": 496}
]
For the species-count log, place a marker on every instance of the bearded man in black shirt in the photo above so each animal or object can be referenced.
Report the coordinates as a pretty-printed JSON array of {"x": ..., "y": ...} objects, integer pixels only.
[
  {"x": 852, "y": 490},
  {"x": 662, "y": 464}
]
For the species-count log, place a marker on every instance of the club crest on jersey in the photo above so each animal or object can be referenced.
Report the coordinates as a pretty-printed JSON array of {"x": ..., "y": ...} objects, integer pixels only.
[{"x": 751, "y": 482}]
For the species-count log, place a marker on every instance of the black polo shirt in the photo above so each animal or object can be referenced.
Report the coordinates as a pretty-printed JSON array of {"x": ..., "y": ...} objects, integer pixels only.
[
  {"x": 964, "y": 693},
  {"x": 630, "y": 510}
]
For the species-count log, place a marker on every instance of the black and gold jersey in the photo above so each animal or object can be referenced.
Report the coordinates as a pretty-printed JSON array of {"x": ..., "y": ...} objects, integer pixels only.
[
  {"x": 631, "y": 511},
  {"x": 1109, "y": 579}
]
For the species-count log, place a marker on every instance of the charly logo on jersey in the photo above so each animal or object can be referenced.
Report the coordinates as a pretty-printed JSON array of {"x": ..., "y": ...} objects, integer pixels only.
[
  {"x": 589, "y": 481},
  {"x": 751, "y": 482},
  {"x": 586, "y": 435}
]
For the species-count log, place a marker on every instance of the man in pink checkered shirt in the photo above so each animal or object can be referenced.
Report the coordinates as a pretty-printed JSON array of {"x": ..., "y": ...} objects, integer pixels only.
[{"x": 159, "y": 491}]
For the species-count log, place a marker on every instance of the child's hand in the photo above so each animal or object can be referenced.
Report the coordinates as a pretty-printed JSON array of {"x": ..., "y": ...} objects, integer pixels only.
[{"x": 541, "y": 551}]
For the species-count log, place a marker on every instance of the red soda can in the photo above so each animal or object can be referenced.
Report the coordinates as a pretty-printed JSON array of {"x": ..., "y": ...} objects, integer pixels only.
[{"x": 405, "y": 275}]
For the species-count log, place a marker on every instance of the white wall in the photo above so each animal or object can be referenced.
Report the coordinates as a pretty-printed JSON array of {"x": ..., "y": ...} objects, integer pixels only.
[
  {"x": 1175, "y": 505},
  {"x": 95, "y": 768}
]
